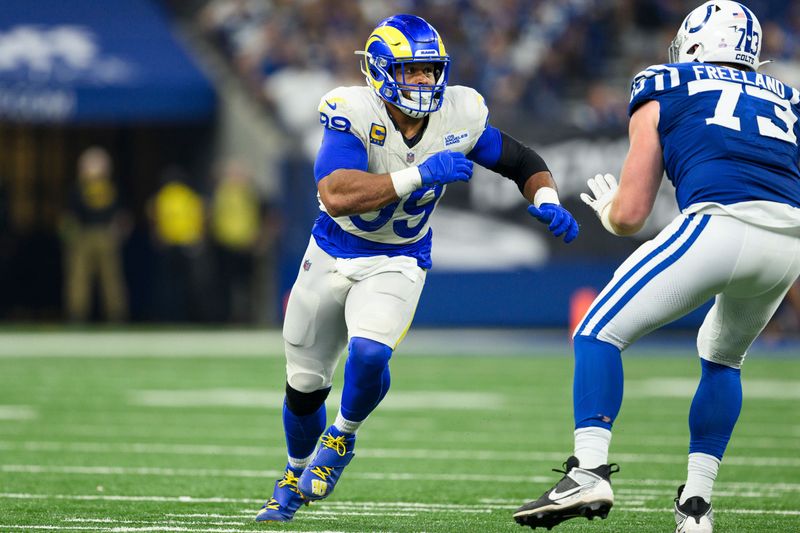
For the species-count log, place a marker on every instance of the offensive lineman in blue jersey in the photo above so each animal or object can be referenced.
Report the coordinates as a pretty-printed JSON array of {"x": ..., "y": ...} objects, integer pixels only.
[
  {"x": 388, "y": 151},
  {"x": 727, "y": 137}
]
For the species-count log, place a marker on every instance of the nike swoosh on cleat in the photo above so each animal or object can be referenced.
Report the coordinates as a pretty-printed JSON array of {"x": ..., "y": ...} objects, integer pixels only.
[
  {"x": 555, "y": 495},
  {"x": 332, "y": 106}
]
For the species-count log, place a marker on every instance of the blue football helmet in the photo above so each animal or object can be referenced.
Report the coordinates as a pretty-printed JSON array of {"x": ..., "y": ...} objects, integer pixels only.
[{"x": 395, "y": 42}]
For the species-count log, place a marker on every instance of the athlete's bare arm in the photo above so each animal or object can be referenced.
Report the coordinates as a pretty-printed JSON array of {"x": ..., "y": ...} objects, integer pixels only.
[
  {"x": 641, "y": 173},
  {"x": 346, "y": 192}
]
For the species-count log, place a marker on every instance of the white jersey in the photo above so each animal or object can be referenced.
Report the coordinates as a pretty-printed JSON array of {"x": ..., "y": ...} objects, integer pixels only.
[{"x": 457, "y": 126}]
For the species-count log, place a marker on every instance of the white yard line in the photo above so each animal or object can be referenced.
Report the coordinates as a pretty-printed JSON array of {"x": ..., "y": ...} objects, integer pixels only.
[
  {"x": 764, "y": 389},
  {"x": 17, "y": 412},
  {"x": 641, "y": 440},
  {"x": 268, "y": 342},
  {"x": 370, "y": 476},
  {"x": 116, "y": 521},
  {"x": 327, "y": 509},
  {"x": 162, "y": 527},
  {"x": 716, "y": 511},
  {"x": 374, "y": 453},
  {"x": 125, "y": 344},
  {"x": 119, "y": 498},
  {"x": 259, "y": 399}
]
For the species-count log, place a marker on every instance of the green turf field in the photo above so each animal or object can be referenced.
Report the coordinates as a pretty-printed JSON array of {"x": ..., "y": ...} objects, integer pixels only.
[{"x": 182, "y": 432}]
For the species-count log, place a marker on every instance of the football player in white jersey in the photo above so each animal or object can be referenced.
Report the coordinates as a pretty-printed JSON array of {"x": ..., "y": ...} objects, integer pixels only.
[
  {"x": 388, "y": 151},
  {"x": 726, "y": 135}
]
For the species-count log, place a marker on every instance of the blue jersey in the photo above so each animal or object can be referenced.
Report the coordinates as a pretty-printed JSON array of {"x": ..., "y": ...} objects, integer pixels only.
[{"x": 728, "y": 135}]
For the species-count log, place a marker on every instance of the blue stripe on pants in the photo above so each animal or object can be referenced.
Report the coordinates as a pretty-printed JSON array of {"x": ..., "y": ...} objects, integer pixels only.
[
  {"x": 660, "y": 267},
  {"x": 633, "y": 271}
]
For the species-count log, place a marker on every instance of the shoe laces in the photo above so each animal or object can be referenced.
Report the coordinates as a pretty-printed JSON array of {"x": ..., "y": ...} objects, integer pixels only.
[
  {"x": 290, "y": 480},
  {"x": 335, "y": 443},
  {"x": 322, "y": 472},
  {"x": 272, "y": 505},
  {"x": 568, "y": 465}
]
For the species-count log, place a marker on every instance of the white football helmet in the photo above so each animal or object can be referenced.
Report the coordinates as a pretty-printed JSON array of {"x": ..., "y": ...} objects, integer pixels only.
[{"x": 719, "y": 31}]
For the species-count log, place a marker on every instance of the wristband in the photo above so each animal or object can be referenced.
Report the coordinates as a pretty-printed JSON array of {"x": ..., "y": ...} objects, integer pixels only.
[
  {"x": 606, "y": 221},
  {"x": 545, "y": 195},
  {"x": 406, "y": 181}
]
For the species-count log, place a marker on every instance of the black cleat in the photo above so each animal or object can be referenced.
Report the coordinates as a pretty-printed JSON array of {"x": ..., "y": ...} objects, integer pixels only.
[
  {"x": 694, "y": 516},
  {"x": 580, "y": 492}
]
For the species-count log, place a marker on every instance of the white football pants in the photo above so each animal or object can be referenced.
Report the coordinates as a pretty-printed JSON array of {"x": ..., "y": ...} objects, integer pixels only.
[
  {"x": 747, "y": 268},
  {"x": 326, "y": 308}
]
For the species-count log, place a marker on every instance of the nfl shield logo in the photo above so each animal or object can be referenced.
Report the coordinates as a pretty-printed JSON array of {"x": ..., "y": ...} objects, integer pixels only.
[
  {"x": 306, "y": 265},
  {"x": 410, "y": 157}
]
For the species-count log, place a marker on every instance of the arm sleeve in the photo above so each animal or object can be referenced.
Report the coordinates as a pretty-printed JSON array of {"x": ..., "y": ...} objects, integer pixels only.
[
  {"x": 507, "y": 156},
  {"x": 339, "y": 150}
]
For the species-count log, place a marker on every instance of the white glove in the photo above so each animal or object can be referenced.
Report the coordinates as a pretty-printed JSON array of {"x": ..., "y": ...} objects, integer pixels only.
[{"x": 604, "y": 188}]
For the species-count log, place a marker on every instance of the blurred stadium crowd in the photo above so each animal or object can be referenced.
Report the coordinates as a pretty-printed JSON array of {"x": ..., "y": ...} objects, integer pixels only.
[
  {"x": 540, "y": 63},
  {"x": 181, "y": 230}
]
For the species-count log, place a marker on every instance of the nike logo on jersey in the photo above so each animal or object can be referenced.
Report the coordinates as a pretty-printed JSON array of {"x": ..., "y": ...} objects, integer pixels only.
[{"x": 332, "y": 106}]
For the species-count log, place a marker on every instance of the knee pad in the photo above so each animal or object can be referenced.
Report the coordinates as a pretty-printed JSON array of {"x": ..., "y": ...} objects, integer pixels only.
[
  {"x": 368, "y": 352},
  {"x": 305, "y": 403},
  {"x": 306, "y": 381}
]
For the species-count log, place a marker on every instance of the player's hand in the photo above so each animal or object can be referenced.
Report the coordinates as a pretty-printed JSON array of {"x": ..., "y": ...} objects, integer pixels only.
[
  {"x": 603, "y": 187},
  {"x": 560, "y": 221},
  {"x": 445, "y": 167}
]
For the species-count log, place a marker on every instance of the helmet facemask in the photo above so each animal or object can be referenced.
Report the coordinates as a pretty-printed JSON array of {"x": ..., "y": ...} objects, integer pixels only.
[{"x": 414, "y": 99}]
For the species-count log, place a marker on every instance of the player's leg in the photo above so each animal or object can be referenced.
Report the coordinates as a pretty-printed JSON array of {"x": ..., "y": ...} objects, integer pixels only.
[
  {"x": 78, "y": 284},
  {"x": 767, "y": 268},
  {"x": 314, "y": 336},
  {"x": 379, "y": 310},
  {"x": 656, "y": 284}
]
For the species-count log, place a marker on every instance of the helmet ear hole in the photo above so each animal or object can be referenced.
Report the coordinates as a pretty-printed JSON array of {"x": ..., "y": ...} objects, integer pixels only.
[
  {"x": 374, "y": 72},
  {"x": 693, "y": 49}
]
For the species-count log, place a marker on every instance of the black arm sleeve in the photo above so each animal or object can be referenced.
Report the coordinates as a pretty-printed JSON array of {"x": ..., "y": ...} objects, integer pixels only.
[{"x": 518, "y": 162}]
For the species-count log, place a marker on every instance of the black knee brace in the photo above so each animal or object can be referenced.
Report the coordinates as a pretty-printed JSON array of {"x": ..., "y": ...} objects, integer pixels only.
[{"x": 305, "y": 403}]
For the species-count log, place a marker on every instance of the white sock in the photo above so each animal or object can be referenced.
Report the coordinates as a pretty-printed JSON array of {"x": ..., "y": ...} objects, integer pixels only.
[
  {"x": 702, "y": 470},
  {"x": 300, "y": 463},
  {"x": 591, "y": 446},
  {"x": 344, "y": 425}
]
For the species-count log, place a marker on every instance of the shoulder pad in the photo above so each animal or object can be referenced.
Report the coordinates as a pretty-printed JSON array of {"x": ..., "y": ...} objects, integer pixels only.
[
  {"x": 332, "y": 100},
  {"x": 469, "y": 104},
  {"x": 344, "y": 109},
  {"x": 656, "y": 78},
  {"x": 649, "y": 83}
]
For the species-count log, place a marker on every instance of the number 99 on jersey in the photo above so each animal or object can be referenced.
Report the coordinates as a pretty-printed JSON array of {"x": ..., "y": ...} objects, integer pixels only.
[{"x": 334, "y": 123}]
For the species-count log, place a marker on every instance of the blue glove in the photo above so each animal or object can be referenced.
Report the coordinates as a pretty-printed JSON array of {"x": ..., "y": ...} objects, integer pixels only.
[
  {"x": 559, "y": 219},
  {"x": 445, "y": 167}
]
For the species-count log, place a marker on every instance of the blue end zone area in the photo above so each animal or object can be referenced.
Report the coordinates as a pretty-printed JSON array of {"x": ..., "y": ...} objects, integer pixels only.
[{"x": 518, "y": 298}]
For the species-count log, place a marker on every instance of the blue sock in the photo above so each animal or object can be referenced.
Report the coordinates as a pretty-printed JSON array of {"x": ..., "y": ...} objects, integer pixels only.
[
  {"x": 302, "y": 432},
  {"x": 715, "y": 408},
  {"x": 597, "y": 386},
  {"x": 366, "y": 378}
]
